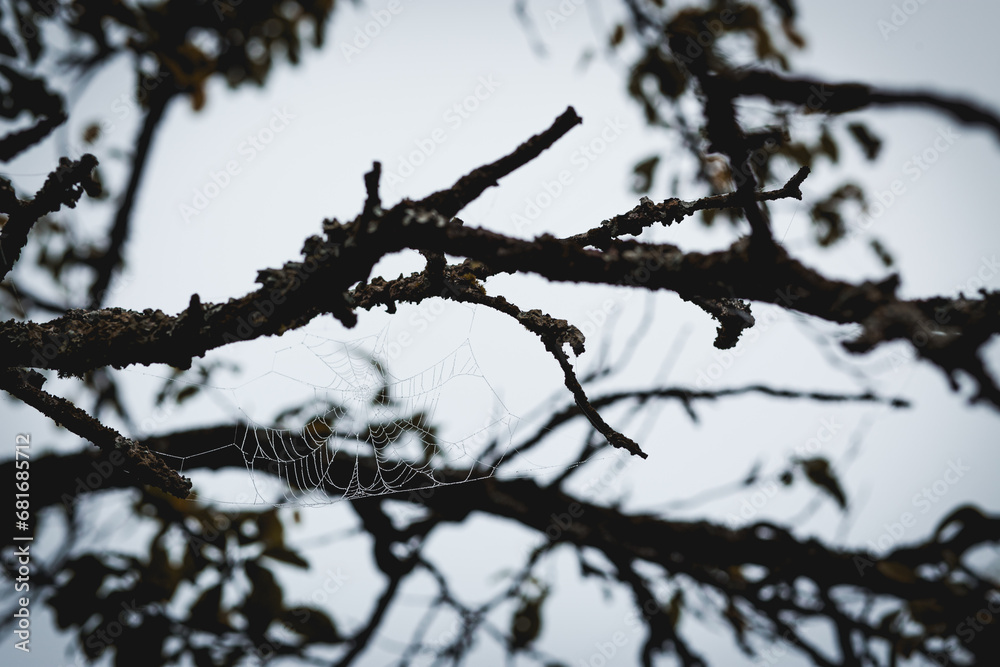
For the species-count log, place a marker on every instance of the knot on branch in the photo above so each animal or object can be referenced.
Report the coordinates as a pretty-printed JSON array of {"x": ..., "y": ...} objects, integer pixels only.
[
  {"x": 373, "y": 204},
  {"x": 666, "y": 212},
  {"x": 69, "y": 181},
  {"x": 189, "y": 325}
]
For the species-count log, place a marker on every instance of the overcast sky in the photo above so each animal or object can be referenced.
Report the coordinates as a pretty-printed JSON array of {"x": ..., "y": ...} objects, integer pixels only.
[{"x": 342, "y": 108}]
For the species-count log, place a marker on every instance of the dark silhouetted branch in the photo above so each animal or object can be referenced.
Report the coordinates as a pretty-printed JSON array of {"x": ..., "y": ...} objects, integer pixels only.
[
  {"x": 137, "y": 459},
  {"x": 468, "y": 188},
  {"x": 820, "y": 95},
  {"x": 63, "y": 187}
]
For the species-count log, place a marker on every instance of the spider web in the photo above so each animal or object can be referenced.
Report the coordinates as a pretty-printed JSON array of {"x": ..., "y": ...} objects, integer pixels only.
[{"x": 352, "y": 429}]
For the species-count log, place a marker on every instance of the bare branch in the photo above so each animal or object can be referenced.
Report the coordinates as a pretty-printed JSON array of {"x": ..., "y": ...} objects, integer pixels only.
[
  {"x": 137, "y": 459},
  {"x": 449, "y": 202},
  {"x": 64, "y": 186},
  {"x": 646, "y": 213},
  {"x": 843, "y": 97},
  {"x": 684, "y": 395}
]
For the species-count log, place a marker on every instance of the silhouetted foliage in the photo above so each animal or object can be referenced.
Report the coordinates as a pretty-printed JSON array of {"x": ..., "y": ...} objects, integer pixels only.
[{"x": 204, "y": 589}]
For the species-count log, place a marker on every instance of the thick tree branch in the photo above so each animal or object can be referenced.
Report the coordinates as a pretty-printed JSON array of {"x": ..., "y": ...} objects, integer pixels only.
[
  {"x": 707, "y": 554},
  {"x": 945, "y": 331}
]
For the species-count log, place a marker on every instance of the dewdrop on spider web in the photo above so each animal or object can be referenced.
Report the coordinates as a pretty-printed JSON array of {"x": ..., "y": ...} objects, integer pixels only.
[{"x": 348, "y": 428}]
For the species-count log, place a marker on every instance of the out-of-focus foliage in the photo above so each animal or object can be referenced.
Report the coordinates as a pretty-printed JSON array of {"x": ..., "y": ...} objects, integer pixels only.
[
  {"x": 142, "y": 608},
  {"x": 730, "y": 36},
  {"x": 204, "y": 589},
  {"x": 187, "y": 41}
]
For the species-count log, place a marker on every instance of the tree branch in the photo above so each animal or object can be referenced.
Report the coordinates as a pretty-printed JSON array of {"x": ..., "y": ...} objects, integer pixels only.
[
  {"x": 843, "y": 97},
  {"x": 646, "y": 213},
  {"x": 449, "y": 202},
  {"x": 108, "y": 263},
  {"x": 137, "y": 459},
  {"x": 64, "y": 186},
  {"x": 712, "y": 556}
]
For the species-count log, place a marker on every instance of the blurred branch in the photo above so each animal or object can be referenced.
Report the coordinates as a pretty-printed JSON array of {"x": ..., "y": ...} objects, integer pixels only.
[
  {"x": 701, "y": 553},
  {"x": 843, "y": 97},
  {"x": 16, "y": 142},
  {"x": 106, "y": 264},
  {"x": 686, "y": 396},
  {"x": 63, "y": 187},
  {"x": 20, "y": 295}
]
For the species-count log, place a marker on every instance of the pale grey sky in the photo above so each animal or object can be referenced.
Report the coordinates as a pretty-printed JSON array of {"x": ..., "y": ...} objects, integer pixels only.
[{"x": 337, "y": 112}]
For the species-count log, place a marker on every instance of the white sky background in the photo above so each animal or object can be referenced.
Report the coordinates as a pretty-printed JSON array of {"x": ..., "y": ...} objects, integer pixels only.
[{"x": 397, "y": 90}]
